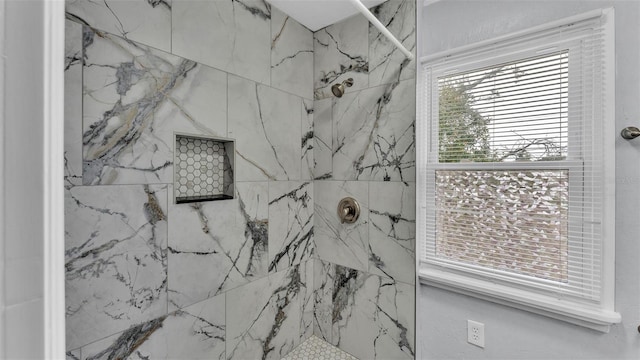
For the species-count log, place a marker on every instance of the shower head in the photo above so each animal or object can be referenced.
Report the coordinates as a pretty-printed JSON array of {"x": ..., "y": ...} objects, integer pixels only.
[{"x": 338, "y": 89}]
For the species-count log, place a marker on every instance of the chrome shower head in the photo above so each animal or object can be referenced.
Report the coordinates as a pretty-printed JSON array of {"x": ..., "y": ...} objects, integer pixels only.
[{"x": 338, "y": 89}]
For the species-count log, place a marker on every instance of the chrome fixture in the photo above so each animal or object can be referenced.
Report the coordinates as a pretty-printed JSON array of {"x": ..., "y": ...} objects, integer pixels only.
[
  {"x": 348, "y": 210},
  {"x": 630, "y": 132},
  {"x": 338, "y": 89}
]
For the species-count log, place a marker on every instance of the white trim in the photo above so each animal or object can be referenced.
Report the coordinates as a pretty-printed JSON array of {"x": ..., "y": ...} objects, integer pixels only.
[
  {"x": 374, "y": 20},
  {"x": 593, "y": 317},
  {"x": 54, "y": 301},
  {"x": 515, "y": 35},
  {"x": 2, "y": 201},
  {"x": 598, "y": 315},
  {"x": 610, "y": 134}
]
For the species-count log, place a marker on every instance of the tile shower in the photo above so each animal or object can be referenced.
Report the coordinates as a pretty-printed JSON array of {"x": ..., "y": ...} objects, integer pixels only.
[{"x": 254, "y": 276}]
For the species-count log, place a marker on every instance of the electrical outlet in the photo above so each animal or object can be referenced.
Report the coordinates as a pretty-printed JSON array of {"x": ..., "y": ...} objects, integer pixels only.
[{"x": 475, "y": 333}]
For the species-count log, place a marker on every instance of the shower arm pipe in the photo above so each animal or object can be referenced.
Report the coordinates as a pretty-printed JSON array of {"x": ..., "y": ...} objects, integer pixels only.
[{"x": 372, "y": 19}]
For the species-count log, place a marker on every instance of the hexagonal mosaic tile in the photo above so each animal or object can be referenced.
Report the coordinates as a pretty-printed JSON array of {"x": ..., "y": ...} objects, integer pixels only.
[
  {"x": 202, "y": 169},
  {"x": 315, "y": 348}
]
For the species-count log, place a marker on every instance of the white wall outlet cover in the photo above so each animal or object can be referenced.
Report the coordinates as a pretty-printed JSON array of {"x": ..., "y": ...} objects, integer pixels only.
[{"x": 475, "y": 333}]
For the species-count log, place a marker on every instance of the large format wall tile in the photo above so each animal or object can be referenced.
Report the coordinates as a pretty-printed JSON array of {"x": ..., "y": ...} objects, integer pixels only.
[
  {"x": 290, "y": 223},
  {"x": 344, "y": 244},
  {"x": 145, "y": 21},
  {"x": 341, "y": 52},
  {"x": 373, "y": 316},
  {"x": 374, "y": 134},
  {"x": 307, "y": 164},
  {"x": 323, "y": 139},
  {"x": 291, "y": 55},
  {"x": 73, "y": 104},
  {"x": 218, "y": 245},
  {"x": 307, "y": 299},
  {"x": 134, "y": 98},
  {"x": 386, "y": 63},
  {"x": 116, "y": 269},
  {"x": 195, "y": 332},
  {"x": 323, "y": 281},
  {"x": 265, "y": 123},
  {"x": 263, "y": 317},
  {"x": 392, "y": 223},
  {"x": 233, "y": 35}
]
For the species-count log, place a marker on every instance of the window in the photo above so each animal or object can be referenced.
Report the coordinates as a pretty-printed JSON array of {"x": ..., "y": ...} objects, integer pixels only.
[{"x": 516, "y": 170}]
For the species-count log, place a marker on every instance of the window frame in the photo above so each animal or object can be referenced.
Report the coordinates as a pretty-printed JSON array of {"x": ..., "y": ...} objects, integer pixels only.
[{"x": 598, "y": 314}]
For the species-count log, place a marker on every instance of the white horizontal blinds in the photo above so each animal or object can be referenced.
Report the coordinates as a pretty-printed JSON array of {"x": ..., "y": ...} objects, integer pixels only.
[
  {"x": 506, "y": 112},
  {"x": 515, "y": 162}
]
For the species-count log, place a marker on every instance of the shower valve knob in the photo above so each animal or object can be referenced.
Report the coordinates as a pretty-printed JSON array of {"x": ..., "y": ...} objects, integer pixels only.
[{"x": 348, "y": 210}]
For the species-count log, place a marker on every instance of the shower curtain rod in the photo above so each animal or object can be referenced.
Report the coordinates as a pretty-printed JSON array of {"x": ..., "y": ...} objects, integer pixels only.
[{"x": 372, "y": 19}]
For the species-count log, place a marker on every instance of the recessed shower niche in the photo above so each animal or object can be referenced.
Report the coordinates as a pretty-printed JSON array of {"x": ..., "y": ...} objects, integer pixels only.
[{"x": 203, "y": 168}]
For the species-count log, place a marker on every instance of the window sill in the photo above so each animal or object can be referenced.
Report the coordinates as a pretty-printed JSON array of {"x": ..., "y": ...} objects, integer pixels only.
[{"x": 592, "y": 317}]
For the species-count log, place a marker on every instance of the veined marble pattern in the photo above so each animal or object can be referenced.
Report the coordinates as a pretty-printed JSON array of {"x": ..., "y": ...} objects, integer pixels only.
[
  {"x": 116, "y": 265},
  {"x": 73, "y": 355},
  {"x": 374, "y": 134},
  {"x": 134, "y": 98},
  {"x": 233, "y": 35},
  {"x": 386, "y": 63},
  {"x": 195, "y": 332},
  {"x": 291, "y": 55},
  {"x": 344, "y": 244},
  {"x": 290, "y": 223},
  {"x": 307, "y": 166},
  {"x": 323, "y": 139},
  {"x": 263, "y": 317},
  {"x": 392, "y": 230},
  {"x": 146, "y": 21},
  {"x": 73, "y": 104},
  {"x": 323, "y": 282},
  {"x": 264, "y": 121},
  {"x": 218, "y": 245},
  {"x": 341, "y": 52},
  {"x": 373, "y": 316},
  {"x": 307, "y": 296}
]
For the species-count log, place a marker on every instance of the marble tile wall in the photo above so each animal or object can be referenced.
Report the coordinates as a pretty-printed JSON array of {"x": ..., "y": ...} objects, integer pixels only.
[
  {"x": 148, "y": 278},
  {"x": 364, "y": 142},
  {"x": 254, "y": 276}
]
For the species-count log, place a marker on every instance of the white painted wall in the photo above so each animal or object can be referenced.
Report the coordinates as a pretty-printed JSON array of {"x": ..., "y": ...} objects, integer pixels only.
[
  {"x": 511, "y": 333},
  {"x": 31, "y": 153}
]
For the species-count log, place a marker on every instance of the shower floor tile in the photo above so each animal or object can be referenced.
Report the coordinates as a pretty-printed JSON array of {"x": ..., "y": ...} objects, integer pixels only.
[{"x": 316, "y": 349}]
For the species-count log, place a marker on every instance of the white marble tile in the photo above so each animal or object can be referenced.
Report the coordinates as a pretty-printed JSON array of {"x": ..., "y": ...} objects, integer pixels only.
[
  {"x": 374, "y": 134},
  {"x": 291, "y": 55},
  {"x": 323, "y": 139},
  {"x": 341, "y": 52},
  {"x": 116, "y": 270},
  {"x": 266, "y": 125},
  {"x": 233, "y": 36},
  {"x": 290, "y": 223},
  {"x": 145, "y": 21},
  {"x": 307, "y": 297},
  {"x": 392, "y": 223},
  {"x": 73, "y": 355},
  {"x": 373, "y": 316},
  {"x": 307, "y": 161},
  {"x": 323, "y": 282},
  {"x": 195, "y": 332},
  {"x": 217, "y": 245},
  {"x": 386, "y": 63},
  {"x": 134, "y": 98},
  {"x": 344, "y": 244},
  {"x": 72, "y": 104},
  {"x": 263, "y": 317}
]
